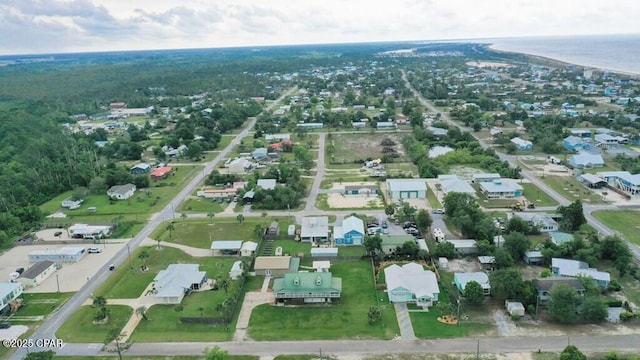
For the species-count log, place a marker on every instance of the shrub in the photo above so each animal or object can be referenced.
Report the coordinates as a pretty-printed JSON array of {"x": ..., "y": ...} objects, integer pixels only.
[
  {"x": 614, "y": 285},
  {"x": 613, "y": 303},
  {"x": 627, "y": 315}
]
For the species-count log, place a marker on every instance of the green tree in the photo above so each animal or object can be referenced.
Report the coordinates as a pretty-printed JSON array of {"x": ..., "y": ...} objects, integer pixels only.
[
  {"x": 572, "y": 353},
  {"x": 572, "y": 216},
  {"x": 389, "y": 210},
  {"x": 224, "y": 284},
  {"x": 40, "y": 355},
  {"x": 373, "y": 244},
  {"x": 516, "y": 244},
  {"x": 594, "y": 310},
  {"x": 373, "y": 315},
  {"x": 518, "y": 224},
  {"x": 215, "y": 353},
  {"x": 142, "y": 312},
  {"x": 211, "y": 215},
  {"x": 143, "y": 255},
  {"x": 503, "y": 259},
  {"x": 194, "y": 151},
  {"x": 563, "y": 304},
  {"x": 506, "y": 283},
  {"x": 445, "y": 249},
  {"x": 170, "y": 227},
  {"x": 473, "y": 293},
  {"x": 99, "y": 301},
  {"x": 423, "y": 220},
  {"x": 240, "y": 218}
]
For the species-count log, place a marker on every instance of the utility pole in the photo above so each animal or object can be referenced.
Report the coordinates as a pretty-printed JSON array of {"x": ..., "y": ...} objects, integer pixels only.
[
  {"x": 57, "y": 282},
  {"x": 478, "y": 350}
]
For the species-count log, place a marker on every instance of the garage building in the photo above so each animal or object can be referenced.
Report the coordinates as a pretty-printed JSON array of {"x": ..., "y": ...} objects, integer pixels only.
[{"x": 406, "y": 188}]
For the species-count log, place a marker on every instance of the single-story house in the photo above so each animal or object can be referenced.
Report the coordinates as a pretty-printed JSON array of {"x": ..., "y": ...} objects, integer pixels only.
[
  {"x": 533, "y": 257},
  {"x": 9, "y": 291},
  {"x": 438, "y": 132},
  {"x": 307, "y": 288},
  {"x": 484, "y": 177},
  {"x": 176, "y": 281},
  {"x": 583, "y": 133},
  {"x": 543, "y": 221},
  {"x": 69, "y": 254},
  {"x": 266, "y": 184},
  {"x": 545, "y": 286},
  {"x": 604, "y": 140},
  {"x": 461, "y": 280},
  {"x": 623, "y": 180},
  {"x": 161, "y": 172},
  {"x": 522, "y": 144},
  {"x": 411, "y": 283},
  {"x": 240, "y": 165},
  {"x": 391, "y": 242},
  {"x": 456, "y": 185},
  {"x": 586, "y": 161},
  {"x": 593, "y": 181},
  {"x": 465, "y": 246},
  {"x": 315, "y": 229},
  {"x": 86, "y": 231},
  {"x": 141, "y": 168},
  {"x": 385, "y": 125},
  {"x": 236, "y": 270},
  {"x": 324, "y": 252},
  {"x": 259, "y": 153},
  {"x": 399, "y": 189},
  {"x": 576, "y": 143},
  {"x": 310, "y": 125},
  {"x": 121, "y": 192},
  {"x": 501, "y": 189},
  {"x": 488, "y": 263},
  {"x": 37, "y": 273},
  {"x": 275, "y": 265},
  {"x": 248, "y": 248},
  {"x": 217, "y": 193},
  {"x": 560, "y": 238},
  {"x": 71, "y": 203},
  {"x": 351, "y": 232},
  {"x": 364, "y": 189},
  {"x": 226, "y": 247},
  {"x": 575, "y": 268},
  {"x": 277, "y": 137}
]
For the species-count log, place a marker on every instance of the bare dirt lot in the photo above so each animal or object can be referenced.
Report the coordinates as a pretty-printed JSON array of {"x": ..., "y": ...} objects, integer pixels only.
[
  {"x": 71, "y": 277},
  {"x": 342, "y": 201},
  {"x": 360, "y": 146}
]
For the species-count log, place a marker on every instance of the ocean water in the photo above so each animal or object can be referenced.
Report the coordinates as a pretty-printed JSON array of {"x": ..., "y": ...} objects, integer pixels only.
[{"x": 611, "y": 52}]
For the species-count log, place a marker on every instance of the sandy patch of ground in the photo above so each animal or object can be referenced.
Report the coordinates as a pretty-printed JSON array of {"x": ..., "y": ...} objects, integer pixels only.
[
  {"x": 342, "y": 185},
  {"x": 463, "y": 265},
  {"x": 342, "y": 201},
  {"x": 71, "y": 277}
]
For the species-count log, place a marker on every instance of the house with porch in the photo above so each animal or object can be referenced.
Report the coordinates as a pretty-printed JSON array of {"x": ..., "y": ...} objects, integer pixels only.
[
  {"x": 351, "y": 232},
  {"x": 411, "y": 283},
  {"x": 544, "y": 287},
  {"x": 9, "y": 291},
  {"x": 315, "y": 229},
  {"x": 543, "y": 221},
  {"x": 461, "y": 280},
  {"x": 574, "y": 268},
  {"x": 623, "y": 180},
  {"x": 501, "y": 189},
  {"x": 121, "y": 192},
  {"x": 176, "y": 281},
  {"x": 298, "y": 288}
]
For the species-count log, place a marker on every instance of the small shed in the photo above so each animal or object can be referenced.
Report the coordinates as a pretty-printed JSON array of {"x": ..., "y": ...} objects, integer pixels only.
[
  {"x": 321, "y": 266},
  {"x": 226, "y": 247},
  {"x": 514, "y": 308},
  {"x": 533, "y": 257},
  {"x": 236, "y": 270},
  {"x": 248, "y": 248},
  {"x": 291, "y": 230},
  {"x": 324, "y": 252},
  {"x": 487, "y": 263},
  {"x": 443, "y": 263}
]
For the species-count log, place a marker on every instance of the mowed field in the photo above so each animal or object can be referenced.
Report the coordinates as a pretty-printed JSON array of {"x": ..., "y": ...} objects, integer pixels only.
[{"x": 351, "y": 147}]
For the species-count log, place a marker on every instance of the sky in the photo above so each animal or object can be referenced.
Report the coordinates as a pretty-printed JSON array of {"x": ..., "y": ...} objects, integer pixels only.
[{"x": 57, "y": 26}]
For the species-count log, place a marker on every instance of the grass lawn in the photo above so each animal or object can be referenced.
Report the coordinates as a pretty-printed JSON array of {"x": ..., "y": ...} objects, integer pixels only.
[
  {"x": 144, "y": 201},
  {"x": 202, "y": 205},
  {"x": 407, "y": 168},
  {"x": 624, "y": 221},
  {"x": 433, "y": 199},
  {"x": 41, "y": 304},
  {"x": 81, "y": 329},
  {"x": 536, "y": 196},
  {"x": 572, "y": 190},
  {"x": 345, "y": 320},
  {"x": 351, "y": 251},
  {"x": 545, "y": 356},
  {"x": 148, "y": 357},
  {"x": 359, "y": 146},
  {"x": 224, "y": 141},
  {"x": 292, "y": 247}
]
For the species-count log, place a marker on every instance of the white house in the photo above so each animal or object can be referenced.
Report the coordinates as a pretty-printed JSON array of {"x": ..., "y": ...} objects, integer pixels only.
[
  {"x": 315, "y": 229},
  {"x": 575, "y": 268},
  {"x": 406, "y": 188},
  {"x": 248, "y": 248},
  {"x": 522, "y": 144},
  {"x": 240, "y": 165},
  {"x": 586, "y": 161},
  {"x": 411, "y": 283},
  {"x": 543, "y": 221},
  {"x": 462, "y": 279},
  {"x": 177, "y": 280},
  {"x": 8, "y": 292},
  {"x": 121, "y": 192},
  {"x": 457, "y": 185},
  {"x": 266, "y": 184}
]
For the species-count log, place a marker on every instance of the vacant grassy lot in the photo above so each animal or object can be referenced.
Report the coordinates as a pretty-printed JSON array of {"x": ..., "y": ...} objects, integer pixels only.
[
  {"x": 536, "y": 196},
  {"x": 351, "y": 147},
  {"x": 427, "y": 326},
  {"x": 199, "y": 233},
  {"x": 292, "y": 247},
  {"x": 143, "y": 202},
  {"x": 572, "y": 190},
  {"x": 345, "y": 320},
  {"x": 80, "y": 327},
  {"x": 202, "y": 205},
  {"x": 41, "y": 304},
  {"x": 432, "y": 198},
  {"x": 623, "y": 221}
]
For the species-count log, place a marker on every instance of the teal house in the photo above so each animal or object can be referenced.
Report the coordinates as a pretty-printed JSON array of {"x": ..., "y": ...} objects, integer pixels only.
[
  {"x": 307, "y": 288},
  {"x": 351, "y": 232}
]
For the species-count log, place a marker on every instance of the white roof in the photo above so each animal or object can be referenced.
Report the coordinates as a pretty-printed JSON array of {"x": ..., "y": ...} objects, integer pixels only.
[
  {"x": 352, "y": 223},
  {"x": 321, "y": 264},
  {"x": 479, "y": 277},
  {"x": 574, "y": 268},
  {"x": 226, "y": 245},
  {"x": 586, "y": 159},
  {"x": 485, "y": 176},
  {"x": 316, "y": 226},
  {"x": 521, "y": 142},
  {"x": 592, "y": 178},
  {"x": 486, "y": 259},
  {"x": 82, "y": 229},
  {"x": 457, "y": 185},
  {"x": 461, "y": 244},
  {"x": 447, "y": 177},
  {"x": 249, "y": 246},
  {"x": 236, "y": 267},
  {"x": 67, "y": 250},
  {"x": 7, "y": 287},
  {"x": 537, "y": 218},
  {"x": 406, "y": 185},
  {"x": 177, "y": 278},
  {"x": 267, "y": 184},
  {"x": 500, "y": 186},
  {"x": 412, "y": 277}
]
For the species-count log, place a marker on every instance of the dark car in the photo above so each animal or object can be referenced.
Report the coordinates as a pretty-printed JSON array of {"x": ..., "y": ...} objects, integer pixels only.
[
  {"x": 20, "y": 270},
  {"x": 57, "y": 233},
  {"x": 112, "y": 267},
  {"x": 4, "y": 325},
  {"x": 384, "y": 224},
  {"x": 408, "y": 224},
  {"x": 437, "y": 211}
]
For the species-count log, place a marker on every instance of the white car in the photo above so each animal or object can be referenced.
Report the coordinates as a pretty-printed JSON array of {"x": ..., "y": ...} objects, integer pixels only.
[{"x": 94, "y": 250}]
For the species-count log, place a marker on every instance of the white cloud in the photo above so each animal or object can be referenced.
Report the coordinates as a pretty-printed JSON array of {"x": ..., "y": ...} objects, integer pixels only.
[{"x": 77, "y": 25}]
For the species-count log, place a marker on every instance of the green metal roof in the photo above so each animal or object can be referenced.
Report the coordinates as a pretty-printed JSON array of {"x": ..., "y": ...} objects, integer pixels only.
[
  {"x": 561, "y": 237},
  {"x": 307, "y": 282}
]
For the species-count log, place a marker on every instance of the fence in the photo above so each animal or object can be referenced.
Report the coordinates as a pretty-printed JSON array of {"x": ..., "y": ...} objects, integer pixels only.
[{"x": 221, "y": 319}]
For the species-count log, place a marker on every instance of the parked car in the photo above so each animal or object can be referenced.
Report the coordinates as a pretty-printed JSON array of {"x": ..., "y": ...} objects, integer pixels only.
[
  {"x": 94, "y": 250},
  {"x": 384, "y": 224},
  {"x": 408, "y": 224},
  {"x": 20, "y": 270},
  {"x": 57, "y": 233},
  {"x": 412, "y": 231},
  {"x": 112, "y": 267},
  {"x": 437, "y": 211},
  {"x": 385, "y": 231},
  {"x": 373, "y": 230}
]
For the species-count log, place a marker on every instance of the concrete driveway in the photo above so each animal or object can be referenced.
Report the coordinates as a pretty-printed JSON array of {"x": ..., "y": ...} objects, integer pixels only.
[{"x": 404, "y": 321}]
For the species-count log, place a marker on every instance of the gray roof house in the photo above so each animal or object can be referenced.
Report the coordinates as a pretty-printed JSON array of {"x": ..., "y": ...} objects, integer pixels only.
[
  {"x": 575, "y": 268},
  {"x": 267, "y": 184},
  {"x": 586, "y": 161},
  {"x": 545, "y": 286},
  {"x": 462, "y": 279},
  {"x": 543, "y": 221},
  {"x": 177, "y": 280},
  {"x": 315, "y": 229},
  {"x": 226, "y": 247},
  {"x": 121, "y": 192},
  {"x": 411, "y": 283},
  {"x": 457, "y": 185}
]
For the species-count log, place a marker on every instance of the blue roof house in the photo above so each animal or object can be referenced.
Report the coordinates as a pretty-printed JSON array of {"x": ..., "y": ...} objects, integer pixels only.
[
  {"x": 586, "y": 161},
  {"x": 259, "y": 153},
  {"x": 350, "y": 233},
  {"x": 575, "y": 143}
]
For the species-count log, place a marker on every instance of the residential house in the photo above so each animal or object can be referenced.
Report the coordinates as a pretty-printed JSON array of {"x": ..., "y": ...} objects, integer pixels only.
[
  {"x": 583, "y": 133},
  {"x": 457, "y": 185},
  {"x": 178, "y": 280},
  {"x": 399, "y": 189},
  {"x": 484, "y": 177},
  {"x": 543, "y": 221},
  {"x": 315, "y": 229},
  {"x": 277, "y": 137},
  {"x": 592, "y": 181},
  {"x": 411, "y": 283},
  {"x": 236, "y": 270},
  {"x": 141, "y": 168},
  {"x": 351, "y": 232},
  {"x": 361, "y": 189},
  {"x": 623, "y": 180},
  {"x": 226, "y": 247},
  {"x": 248, "y": 248},
  {"x": 464, "y": 247},
  {"x": 606, "y": 140},
  {"x": 307, "y": 288},
  {"x": 544, "y": 287},
  {"x": 501, "y": 189},
  {"x": 560, "y": 238},
  {"x": 9, "y": 291},
  {"x": 71, "y": 203},
  {"x": 533, "y": 257},
  {"x": 275, "y": 265},
  {"x": 160, "y": 173},
  {"x": 575, "y": 268},
  {"x": 68, "y": 254},
  {"x": 266, "y": 184},
  {"x": 121, "y": 192},
  {"x": 522, "y": 144},
  {"x": 386, "y": 125},
  {"x": 438, "y": 132},
  {"x": 217, "y": 193},
  {"x": 240, "y": 165},
  {"x": 37, "y": 273},
  {"x": 576, "y": 143},
  {"x": 86, "y": 231},
  {"x": 585, "y": 160},
  {"x": 260, "y": 153},
  {"x": 310, "y": 126},
  {"x": 391, "y": 242},
  {"x": 461, "y": 280},
  {"x": 487, "y": 263}
]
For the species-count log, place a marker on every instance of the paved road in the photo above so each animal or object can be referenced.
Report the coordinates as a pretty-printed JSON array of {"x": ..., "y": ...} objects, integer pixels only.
[
  {"x": 48, "y": 329},
  {"x": 320, "y": 167}
]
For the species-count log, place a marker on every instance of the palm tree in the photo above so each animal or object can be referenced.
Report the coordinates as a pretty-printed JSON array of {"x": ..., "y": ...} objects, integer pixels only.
[
  {"x": 240, "y": 218},
  {"x": 141, "y": 311},
  {"x": 224, "y": 284},
  {"x": 158, "y": 243},
  {"x": 170, "y": 227},
  {"x": 144, "y": 254},
  {"x": 99, "y": 301},
  {"x": 183, "y": 216},
  {"x": 211, "y": 215}
]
